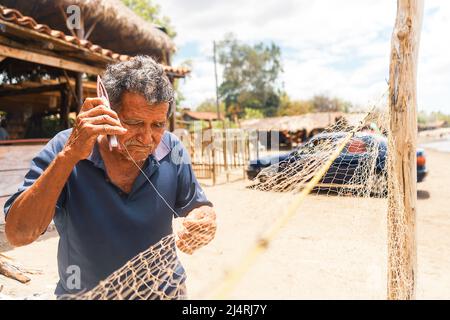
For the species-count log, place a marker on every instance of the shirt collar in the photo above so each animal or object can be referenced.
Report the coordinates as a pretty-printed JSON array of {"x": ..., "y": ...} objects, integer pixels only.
[{"x": 162, "y": 149}]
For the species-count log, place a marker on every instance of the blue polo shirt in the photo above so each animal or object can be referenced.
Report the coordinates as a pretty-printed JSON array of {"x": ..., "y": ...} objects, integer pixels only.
[{"x": 101, "y": 227}]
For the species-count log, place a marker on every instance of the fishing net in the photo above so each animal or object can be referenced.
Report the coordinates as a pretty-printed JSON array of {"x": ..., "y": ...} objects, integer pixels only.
[
  {"x": 359, "y": 166},
  {"x": 346, "y": 164},
  {"x": 341, "y": 171},
  {"x": 155, "y": 273}
]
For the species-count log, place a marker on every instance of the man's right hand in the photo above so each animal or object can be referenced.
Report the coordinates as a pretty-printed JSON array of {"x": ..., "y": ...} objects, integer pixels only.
[
  {"x": 94, "y": 119},
  {"x": 33, "y": 210}
]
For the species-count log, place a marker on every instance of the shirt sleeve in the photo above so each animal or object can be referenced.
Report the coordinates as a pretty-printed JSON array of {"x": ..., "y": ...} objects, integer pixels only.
[
  {"x": 190, "y": 194},
  {"x": 37, "y": 167}
]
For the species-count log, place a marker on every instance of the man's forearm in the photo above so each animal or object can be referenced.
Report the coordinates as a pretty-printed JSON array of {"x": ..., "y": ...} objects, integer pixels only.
[{"x": 33, "y": 210}]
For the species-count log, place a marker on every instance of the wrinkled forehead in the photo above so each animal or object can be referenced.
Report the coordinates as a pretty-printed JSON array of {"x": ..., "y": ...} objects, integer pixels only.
[{"x": 135, "y": 105}]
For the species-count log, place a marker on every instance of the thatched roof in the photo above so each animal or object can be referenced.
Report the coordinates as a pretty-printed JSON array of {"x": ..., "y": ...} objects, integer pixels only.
[
  {"x": 25, "y": 33},
  {"x": 308, "y": 122},
  {"x": 116, "y": 27}
]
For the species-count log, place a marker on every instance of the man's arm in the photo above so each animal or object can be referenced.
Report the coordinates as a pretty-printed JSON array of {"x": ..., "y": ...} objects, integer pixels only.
[{"x": 33, "y": 210}]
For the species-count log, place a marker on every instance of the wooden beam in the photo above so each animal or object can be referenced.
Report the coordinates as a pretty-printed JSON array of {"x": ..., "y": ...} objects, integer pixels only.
[
  {"x": 59, "y": 44},
  {"x": 79, "y": 75},
  {"x": 48, "y": 60},
  {"x": 402, "y": 247},
  {"x": 30, "y": 90},
  {"x": 38, "y": 47}
]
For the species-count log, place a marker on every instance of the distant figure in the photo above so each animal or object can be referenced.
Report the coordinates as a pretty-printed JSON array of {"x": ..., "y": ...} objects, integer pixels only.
[{"x": 3, "y": 133}]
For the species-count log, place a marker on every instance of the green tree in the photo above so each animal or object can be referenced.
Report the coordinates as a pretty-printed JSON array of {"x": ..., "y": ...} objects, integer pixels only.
[
  {"x": 253, "y": 113},
  {"x": 250, "y": 75},
  {"x": 422, "y": 118},
  {"x": 151, "y": 12},
  {"x": 324, "y": 103},
  {"x": 290, "y": 107},
  {"x": 209, "y": 105}
]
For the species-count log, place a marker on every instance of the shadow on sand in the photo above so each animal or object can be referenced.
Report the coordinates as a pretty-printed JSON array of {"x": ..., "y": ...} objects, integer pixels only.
[{"x": 423, "y": 194}]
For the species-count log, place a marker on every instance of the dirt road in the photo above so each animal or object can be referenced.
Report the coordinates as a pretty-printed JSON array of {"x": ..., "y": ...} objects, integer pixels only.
[{"x": 334, "y": 248}]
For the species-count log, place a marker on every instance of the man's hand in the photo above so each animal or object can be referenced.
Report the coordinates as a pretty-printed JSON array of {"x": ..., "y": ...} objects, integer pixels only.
[
  {"x": 199, "y": 228},
  {"x": 95, "y": 118}
]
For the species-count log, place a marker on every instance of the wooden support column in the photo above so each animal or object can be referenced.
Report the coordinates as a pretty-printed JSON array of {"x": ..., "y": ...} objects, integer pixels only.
[
  {"x": 213, "y": 156},
  {"x": 64, "y": 108},
  {"x": 79, "y": 75},
  {"x": 402, "y": 256},
  {"x": 172, "y": 117},
  {"x": 79, "y": 90}
]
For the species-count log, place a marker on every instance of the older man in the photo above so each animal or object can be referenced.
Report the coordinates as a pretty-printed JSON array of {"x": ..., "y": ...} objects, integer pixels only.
[{"x": 103, "y": 206}]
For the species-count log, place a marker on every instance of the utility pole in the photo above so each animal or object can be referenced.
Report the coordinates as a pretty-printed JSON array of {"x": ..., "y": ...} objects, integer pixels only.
[
  {"x": 224, "y": 134},
  {"x": 217, "y": 85},
  {"x": 402, "y": 196}
]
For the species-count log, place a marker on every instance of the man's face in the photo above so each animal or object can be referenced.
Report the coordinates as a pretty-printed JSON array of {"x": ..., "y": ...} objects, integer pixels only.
[{"x": 145, "y": 124}]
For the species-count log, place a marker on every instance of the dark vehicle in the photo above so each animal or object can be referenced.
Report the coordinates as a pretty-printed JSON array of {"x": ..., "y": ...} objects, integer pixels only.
[{"x": 360, "y": 149}]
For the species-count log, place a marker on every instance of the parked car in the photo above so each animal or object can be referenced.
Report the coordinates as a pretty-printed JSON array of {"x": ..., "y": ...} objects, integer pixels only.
[{"x": 343, "y": 167}]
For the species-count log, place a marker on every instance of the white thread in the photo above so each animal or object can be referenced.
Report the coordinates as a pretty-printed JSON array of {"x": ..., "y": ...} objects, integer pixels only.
[{"x": 148, "y": 179}]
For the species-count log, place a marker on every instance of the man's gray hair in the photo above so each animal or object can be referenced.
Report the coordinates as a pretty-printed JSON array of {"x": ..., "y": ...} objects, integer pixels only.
[{"x": 141, "y": 75}]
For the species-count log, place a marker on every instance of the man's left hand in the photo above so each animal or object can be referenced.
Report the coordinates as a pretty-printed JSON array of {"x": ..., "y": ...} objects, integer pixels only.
[{"x": 199, "y": 228}]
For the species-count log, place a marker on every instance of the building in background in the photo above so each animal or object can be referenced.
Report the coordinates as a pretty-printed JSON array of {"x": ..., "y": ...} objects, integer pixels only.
[{"x": 47, "y": 68}]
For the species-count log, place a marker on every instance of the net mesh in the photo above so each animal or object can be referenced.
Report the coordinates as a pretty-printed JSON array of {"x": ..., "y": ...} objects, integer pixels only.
[
  {"x": 359, "y": 169},
  {"x": 346, "y": 160},
  {"x": 155, "y": 273}
]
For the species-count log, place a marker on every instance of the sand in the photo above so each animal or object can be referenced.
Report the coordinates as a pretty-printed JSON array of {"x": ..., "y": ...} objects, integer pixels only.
[{"x": 334, "y": 247}]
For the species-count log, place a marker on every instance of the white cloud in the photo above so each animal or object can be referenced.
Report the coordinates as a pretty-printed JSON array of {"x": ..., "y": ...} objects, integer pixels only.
[
  {"x": 338, "y": 47},
  {"x": 200, "y": 85}
]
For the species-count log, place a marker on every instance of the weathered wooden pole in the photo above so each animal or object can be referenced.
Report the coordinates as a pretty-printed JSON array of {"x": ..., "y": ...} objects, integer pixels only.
[
  {"x": 402, "y": 257},
  {"x": 79, "y": 75},
  {"x": 213, "y": 156},
  {"x": 64, "y": 108}
]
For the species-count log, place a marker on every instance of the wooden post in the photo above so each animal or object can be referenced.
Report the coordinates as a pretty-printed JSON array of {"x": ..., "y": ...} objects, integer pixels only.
[
  {"x": 257, "y": 144},
  {"x": 79, "y": 90},
  {"x": 79, "y": 75},
  {"x": 246, "y": 153},
  {"x": 225, "y": 147},
  {"x": 64, "y": 109},
  {"x": 213, "y": 156},
  {"x": 402, "y": 257},
  {"x": 173, "y": 106},
  {"x": 217, "y": 87},
  {"x": 235, "y": 144}
]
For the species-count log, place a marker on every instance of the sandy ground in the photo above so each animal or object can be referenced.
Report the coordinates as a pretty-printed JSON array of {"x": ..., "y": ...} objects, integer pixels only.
[{"x": 333, "y": 248}]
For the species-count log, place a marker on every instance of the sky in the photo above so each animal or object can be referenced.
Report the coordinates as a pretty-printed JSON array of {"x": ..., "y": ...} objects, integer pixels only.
[{"x": 338, "y": 48}]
